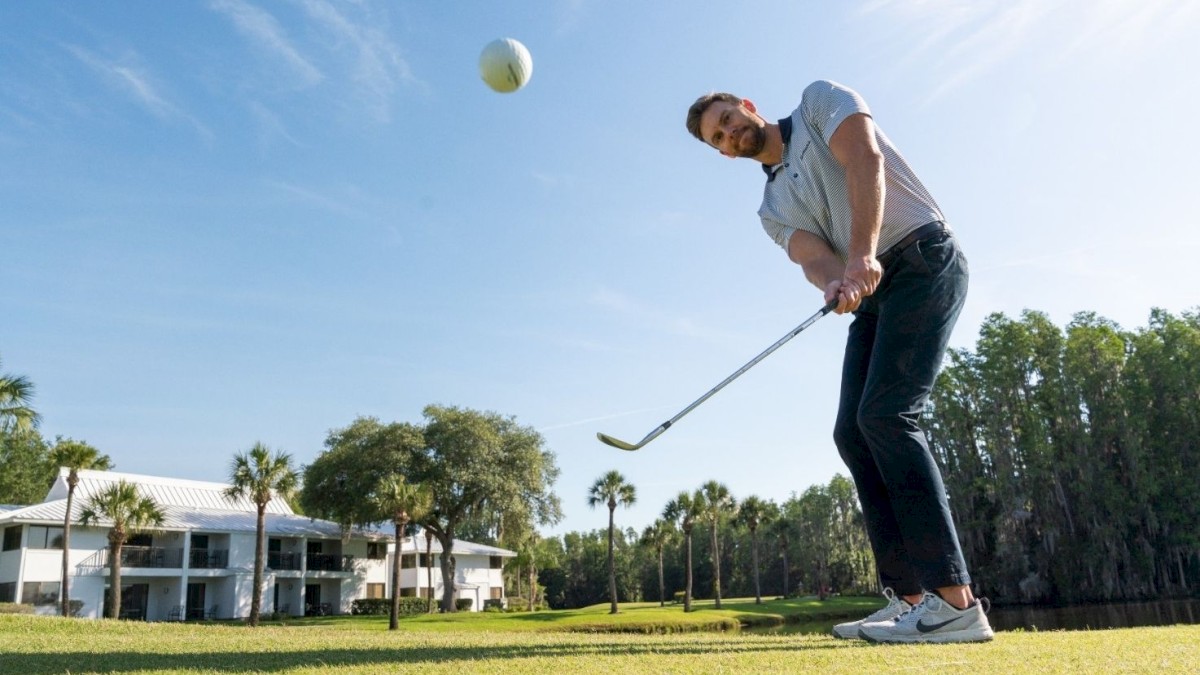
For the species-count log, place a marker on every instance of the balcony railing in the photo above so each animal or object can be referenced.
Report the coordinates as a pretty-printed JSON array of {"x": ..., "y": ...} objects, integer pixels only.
[
  {"x": 139, "y": 556},
  {"x": 330, "y": 562},
  {"x": 278, "y": 560},
  {"x": 208, "y": 559}
]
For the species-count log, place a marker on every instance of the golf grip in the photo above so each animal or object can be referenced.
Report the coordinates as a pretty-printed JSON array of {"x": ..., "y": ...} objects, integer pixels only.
[{"x": 753, "y": 362}]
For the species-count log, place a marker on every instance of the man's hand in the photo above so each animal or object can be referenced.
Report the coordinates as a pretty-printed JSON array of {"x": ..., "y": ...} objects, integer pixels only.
[{"x": 860, "y": 280}]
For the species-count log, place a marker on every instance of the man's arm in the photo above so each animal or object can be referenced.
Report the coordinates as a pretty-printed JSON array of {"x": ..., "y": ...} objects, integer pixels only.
[
  {"x": 822, "y": 267},
  {"x": 853, "y": 146}
]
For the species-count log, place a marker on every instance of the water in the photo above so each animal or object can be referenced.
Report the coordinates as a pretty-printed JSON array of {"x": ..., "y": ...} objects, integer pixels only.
[
  {"x": 1039, "y": 617},
  {"x": 1084, "y": 617}
]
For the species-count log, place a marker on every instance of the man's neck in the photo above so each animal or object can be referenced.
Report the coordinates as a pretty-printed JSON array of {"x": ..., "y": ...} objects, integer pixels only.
[{"x": 772, "y": 152}]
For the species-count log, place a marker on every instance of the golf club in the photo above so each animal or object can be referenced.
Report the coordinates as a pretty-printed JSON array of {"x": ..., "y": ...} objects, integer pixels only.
[{"x": 617, "y": 443}]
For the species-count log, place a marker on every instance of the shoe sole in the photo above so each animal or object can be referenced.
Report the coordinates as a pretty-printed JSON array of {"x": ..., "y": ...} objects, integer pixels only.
[{"x": 935, "y": 638}]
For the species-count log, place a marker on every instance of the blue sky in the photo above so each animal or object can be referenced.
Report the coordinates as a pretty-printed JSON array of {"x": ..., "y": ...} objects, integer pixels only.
[{"x": 236, "y": 221}]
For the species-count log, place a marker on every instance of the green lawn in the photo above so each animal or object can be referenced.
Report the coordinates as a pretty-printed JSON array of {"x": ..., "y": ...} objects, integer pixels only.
[{"x": 580, "y": 641}]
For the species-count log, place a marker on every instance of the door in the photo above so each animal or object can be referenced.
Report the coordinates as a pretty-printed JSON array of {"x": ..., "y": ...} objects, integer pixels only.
[
  {"x": 195, "y": 601},
  {"x": 312, "y": 599}
]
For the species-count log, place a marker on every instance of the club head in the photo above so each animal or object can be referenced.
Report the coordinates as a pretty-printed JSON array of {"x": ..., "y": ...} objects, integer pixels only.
[{"x": 616, "y": 443}]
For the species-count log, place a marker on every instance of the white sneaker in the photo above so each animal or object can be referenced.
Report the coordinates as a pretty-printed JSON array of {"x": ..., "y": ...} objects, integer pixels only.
[
  {"x": 895, "y": 607},
  {"x": 932, "y": 620}
]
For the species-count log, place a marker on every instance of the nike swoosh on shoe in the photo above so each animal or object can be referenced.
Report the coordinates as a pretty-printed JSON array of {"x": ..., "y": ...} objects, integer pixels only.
[{"x": 930, "y": 627}]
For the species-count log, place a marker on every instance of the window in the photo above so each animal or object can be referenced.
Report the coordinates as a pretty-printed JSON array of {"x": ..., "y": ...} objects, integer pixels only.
[
  {"x": 376, "y": 550},
  {"x": 496, "y": 562},
  {"x": 199, "y": 542},
  {"x": 39, "y": 593},
  {"x": 428, "y": 560},
  {"x": 8, "y": 592},
  {"x": 376, "y": 591},
  {"x": 41, "y": 536},
  {"x": 408, "y": 592},
  {"x": 140, "y": 539},
  {"x": 408, "y": 561},
  {"x": 497, "y": 593},
  {"x": 12, "y": 538}
]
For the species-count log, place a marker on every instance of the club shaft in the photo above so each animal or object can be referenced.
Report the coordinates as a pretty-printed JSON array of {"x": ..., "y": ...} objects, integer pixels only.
[{"x": 738, "y": 373}]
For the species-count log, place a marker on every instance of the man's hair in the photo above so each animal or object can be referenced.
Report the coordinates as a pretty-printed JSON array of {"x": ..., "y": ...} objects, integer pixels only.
[{"x": 701, "y": 104}]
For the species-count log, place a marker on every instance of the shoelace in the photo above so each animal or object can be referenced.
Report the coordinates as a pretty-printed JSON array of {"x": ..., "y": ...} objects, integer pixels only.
[{"x": 918, "y": 610}]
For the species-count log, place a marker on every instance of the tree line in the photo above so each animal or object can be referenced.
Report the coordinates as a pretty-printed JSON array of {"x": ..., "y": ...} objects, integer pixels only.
[{"x": 1069, "y": 455}]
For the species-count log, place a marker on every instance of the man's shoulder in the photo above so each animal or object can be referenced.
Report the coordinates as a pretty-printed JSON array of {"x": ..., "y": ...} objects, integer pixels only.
[{"x": 824, "y": 89}]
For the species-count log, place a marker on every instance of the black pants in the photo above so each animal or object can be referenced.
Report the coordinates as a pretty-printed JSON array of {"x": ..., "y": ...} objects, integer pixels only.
[{"x": 893, "y": 353}]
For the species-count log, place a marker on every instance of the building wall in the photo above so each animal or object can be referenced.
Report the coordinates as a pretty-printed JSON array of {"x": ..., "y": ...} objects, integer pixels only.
[{"x": 230, "y": 588}]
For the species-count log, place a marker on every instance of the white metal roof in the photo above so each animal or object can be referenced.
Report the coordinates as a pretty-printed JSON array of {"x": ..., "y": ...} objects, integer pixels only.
[
  {"x": 164, "y": 491},
  {"x": 202, "y": 507}
]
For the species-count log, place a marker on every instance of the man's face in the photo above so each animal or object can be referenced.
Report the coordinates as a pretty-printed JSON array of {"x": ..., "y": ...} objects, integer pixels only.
[{"x": 735, "y": 130}]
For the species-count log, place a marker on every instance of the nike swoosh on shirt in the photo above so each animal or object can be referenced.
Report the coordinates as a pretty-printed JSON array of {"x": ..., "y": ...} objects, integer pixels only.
[{"x": 930, "y": 627}]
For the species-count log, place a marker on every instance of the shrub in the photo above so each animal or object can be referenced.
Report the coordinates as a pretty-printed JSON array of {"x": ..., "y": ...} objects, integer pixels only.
[
  {"x": 14, "y": 608},
  {"x": 493, "y": 605},
  {"x": 464, "y": 604},
  {"x": 678, "y": 597},
  {"x": 409, "y": 606}
]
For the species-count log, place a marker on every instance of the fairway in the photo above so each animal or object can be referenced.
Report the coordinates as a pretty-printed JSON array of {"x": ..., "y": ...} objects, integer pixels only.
[{"x": 519, "y": 644}]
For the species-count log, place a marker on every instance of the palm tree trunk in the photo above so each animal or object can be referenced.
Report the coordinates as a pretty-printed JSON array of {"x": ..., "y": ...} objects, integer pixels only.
[
  {"x": 662, "y": 588},
  {"x": 259, "y": 545},
  {"x": 394, "y": 613},
  {"x": 429, "y": 567},
  {"x": 716, "y": 556},
  {"x": 65, "y": 586},
  {"x": 612, "y": 569},
  {"x": 114, "y": 577},
  {"x": 754, "y": 555},
  {"x": 687, "y": 596},
  {"x": 532, "y": 585},
  {"x": 785, "y": 568}
]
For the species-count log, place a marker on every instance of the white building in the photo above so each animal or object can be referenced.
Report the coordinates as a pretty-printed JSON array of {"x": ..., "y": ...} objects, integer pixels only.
[{"x": 200, "y": 562}]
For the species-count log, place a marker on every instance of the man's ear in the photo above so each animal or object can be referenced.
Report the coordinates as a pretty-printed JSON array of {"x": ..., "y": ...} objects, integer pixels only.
[{"x": 749, "y": 105}]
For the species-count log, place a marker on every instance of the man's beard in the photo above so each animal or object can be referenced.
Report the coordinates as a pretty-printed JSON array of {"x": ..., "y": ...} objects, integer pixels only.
[{"x": 757, "y": 139}]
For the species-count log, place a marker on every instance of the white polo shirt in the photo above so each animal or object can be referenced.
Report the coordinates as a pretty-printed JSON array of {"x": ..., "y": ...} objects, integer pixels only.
[{"x": 807, "y": 190}]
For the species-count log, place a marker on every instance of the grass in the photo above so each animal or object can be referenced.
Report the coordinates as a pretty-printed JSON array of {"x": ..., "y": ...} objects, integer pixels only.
[{"x": 643, "y": 638}]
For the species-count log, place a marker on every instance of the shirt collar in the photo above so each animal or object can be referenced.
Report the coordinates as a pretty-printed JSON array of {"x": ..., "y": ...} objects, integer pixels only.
[{"x": 785, "y": 130}]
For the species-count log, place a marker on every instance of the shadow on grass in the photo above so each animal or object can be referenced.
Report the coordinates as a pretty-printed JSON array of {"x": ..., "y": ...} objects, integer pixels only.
[{"x": 274, "y": 661}]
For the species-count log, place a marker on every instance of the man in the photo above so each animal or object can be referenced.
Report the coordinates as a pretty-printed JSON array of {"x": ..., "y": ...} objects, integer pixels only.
[{"x": 848, "y": 209}]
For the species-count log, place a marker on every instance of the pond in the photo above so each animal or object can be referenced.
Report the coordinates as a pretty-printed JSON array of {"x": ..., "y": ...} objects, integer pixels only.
[
  {"x": 1075, "y": 617},
  {"x": 1084, "y": 617}
]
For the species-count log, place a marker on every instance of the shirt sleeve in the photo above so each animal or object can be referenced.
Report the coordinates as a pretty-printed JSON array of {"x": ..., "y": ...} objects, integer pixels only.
[
  {"x": 825, "y": 105},
  {"x": 777, "y": 231}
]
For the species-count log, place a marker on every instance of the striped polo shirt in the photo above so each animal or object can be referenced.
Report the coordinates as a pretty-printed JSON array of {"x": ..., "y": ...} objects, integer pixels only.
[{"x": 807, "y": 190}]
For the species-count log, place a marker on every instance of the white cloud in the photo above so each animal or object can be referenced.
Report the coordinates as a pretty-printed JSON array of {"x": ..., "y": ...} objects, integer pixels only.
[
  {"x": 135, "y": 82},
  {"x": 379, "y": 65},
  {"x": 266, "y": 32}
]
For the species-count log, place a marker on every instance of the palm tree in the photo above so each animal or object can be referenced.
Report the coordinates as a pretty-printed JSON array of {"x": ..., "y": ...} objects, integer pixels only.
[
  {"x": 753, "y": 513},
  {"x": 16, "y": 391},
  {"x": 656, "y": 536},
  {"x": 717, "y": 502},
  {"x": 684, "y": 510},
  {"x": 75, "y": 456},
  {"x": 429, "y": 564},
  {"x": 130, "y": 513},
  {"x": 258, "y": 475},
  {"x": 611, "y": 490},
  {"x": 403, "y": 502},
  {"x": 781, "y": 527}
]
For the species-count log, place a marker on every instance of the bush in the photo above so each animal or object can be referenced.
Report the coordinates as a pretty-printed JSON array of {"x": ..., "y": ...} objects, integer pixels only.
[
  {"x": 464, "y": 604},
  {"x": 493, "y": 605},
  {"x": 14, "y": 608},
  {"x": 678, "y": 597},
  {"x": 409, "y": 606}
]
